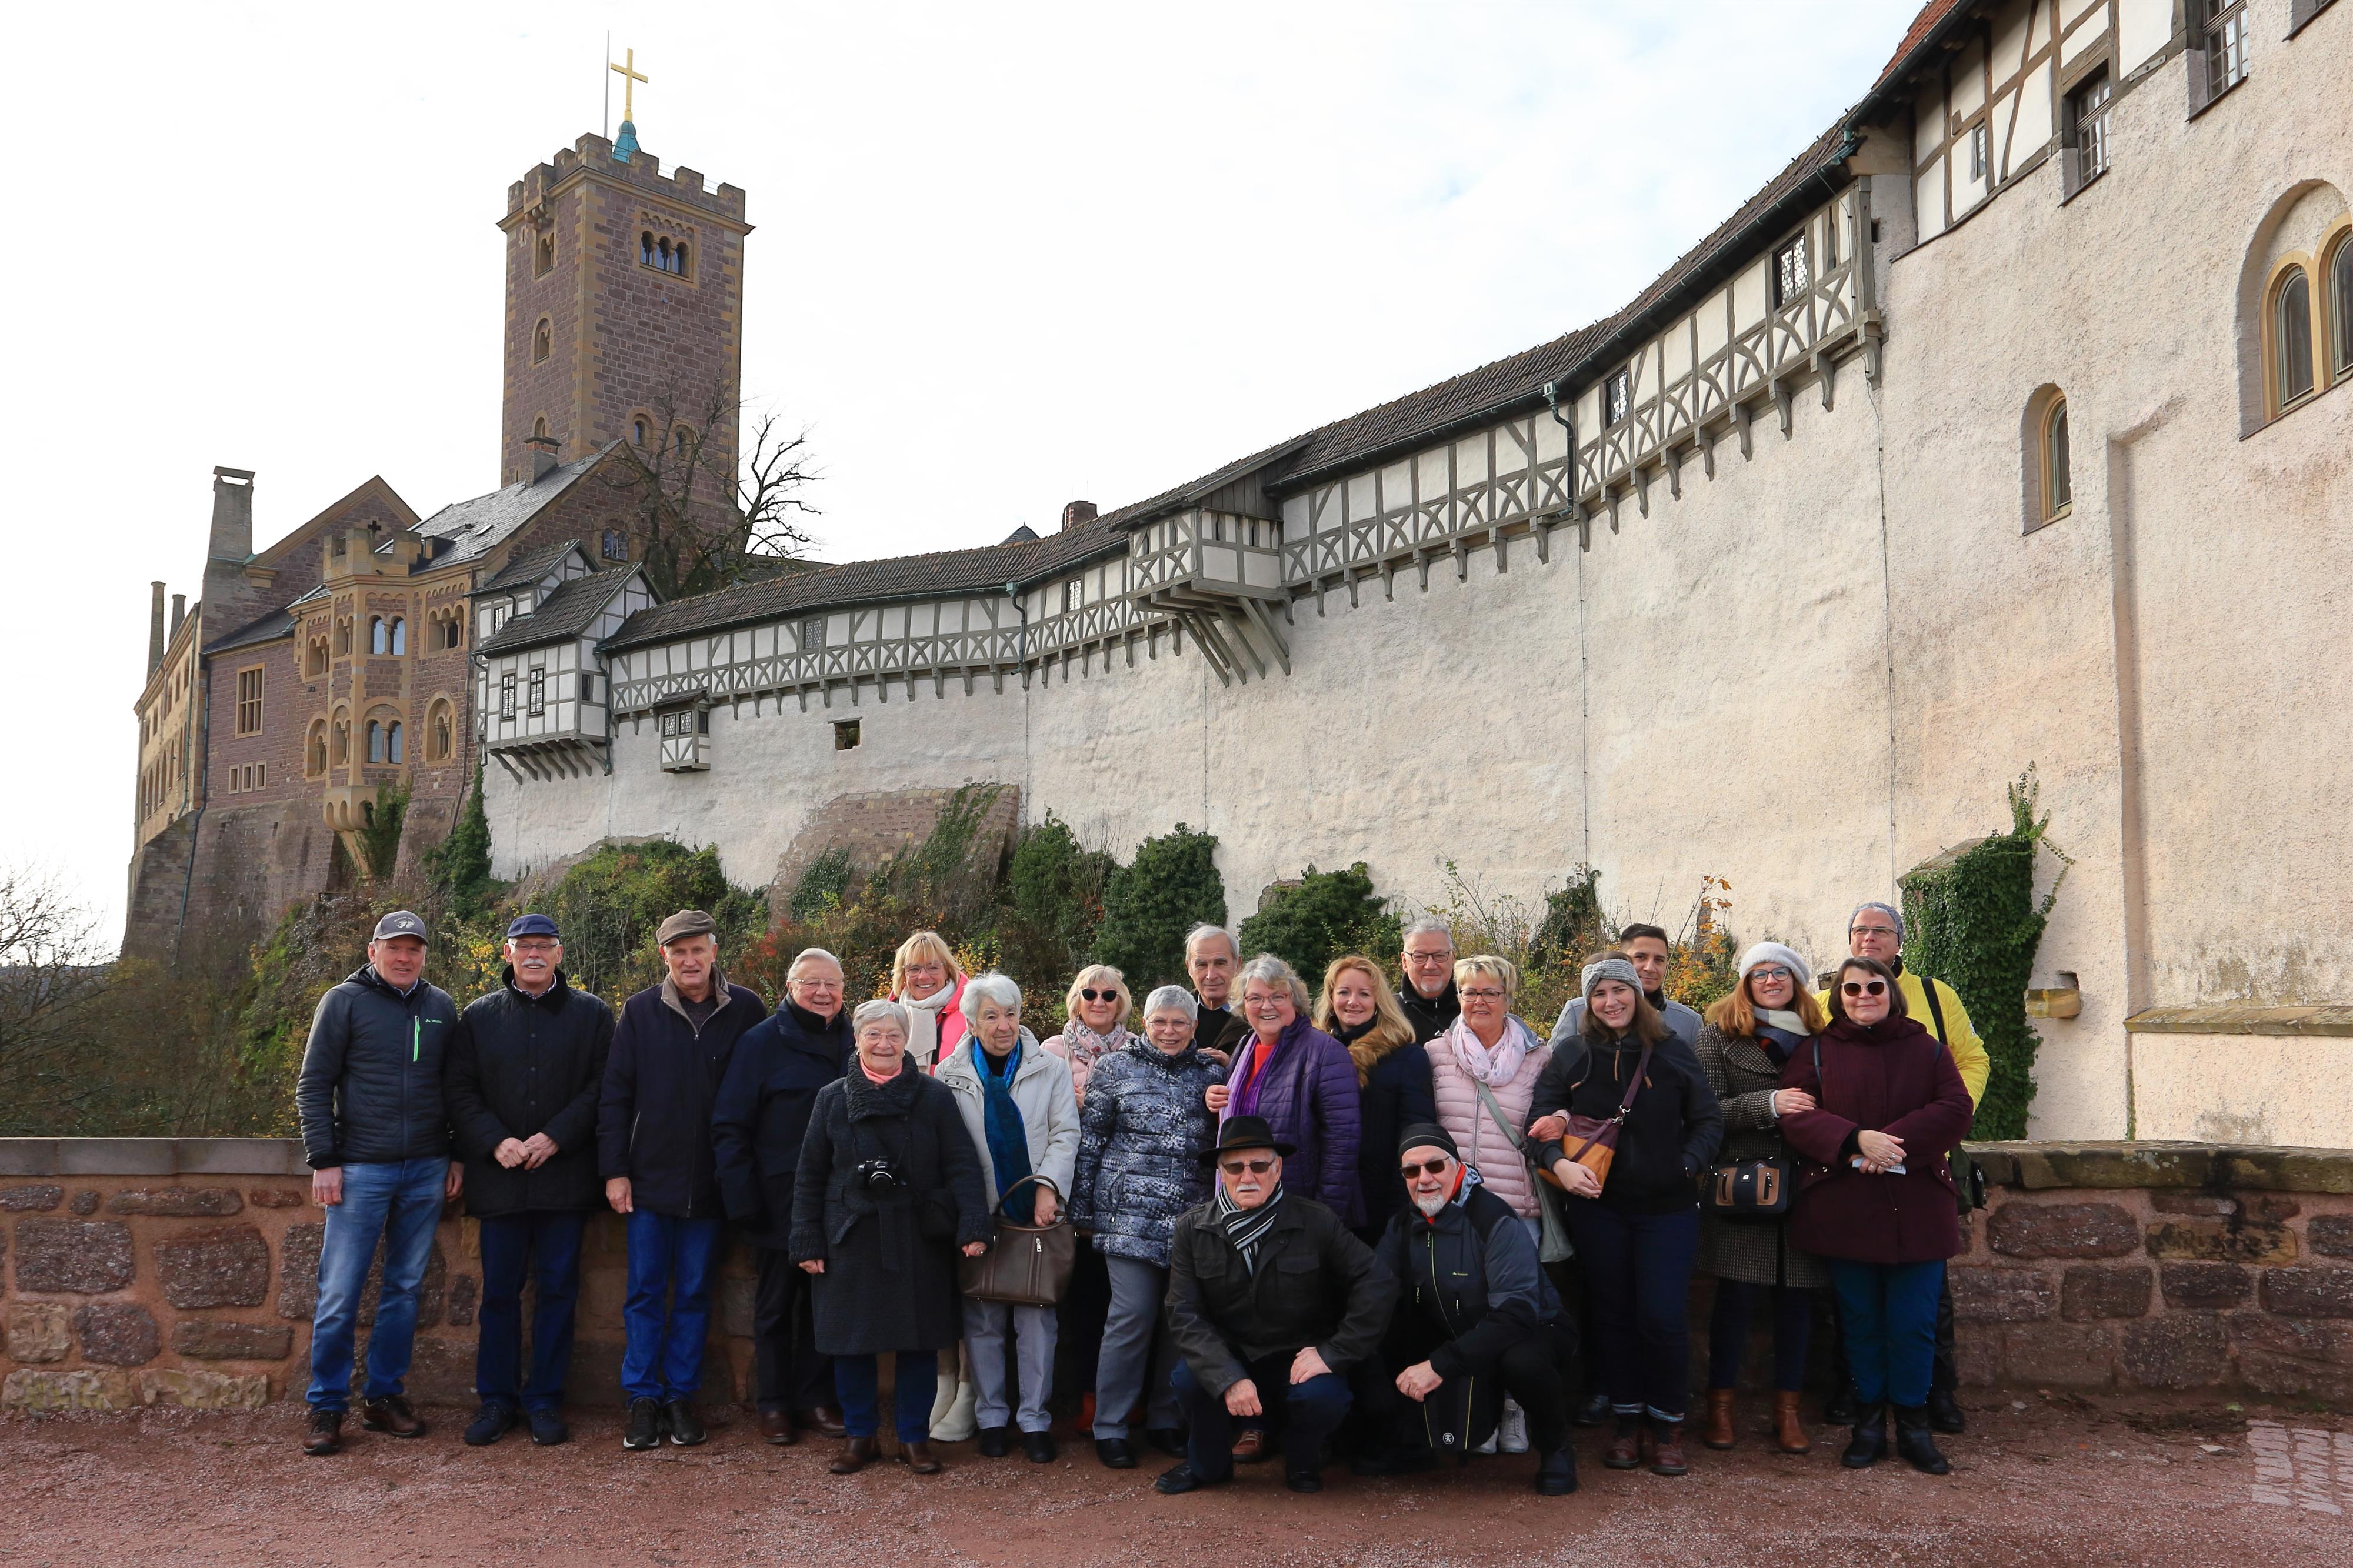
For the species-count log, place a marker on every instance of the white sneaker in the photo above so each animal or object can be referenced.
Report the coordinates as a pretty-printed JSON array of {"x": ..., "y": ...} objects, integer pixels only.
[
  {"x": 960, "y": 1423},
  {"x": 1512, "y": 1434},
  {"x": 1489, "y": 1446}
]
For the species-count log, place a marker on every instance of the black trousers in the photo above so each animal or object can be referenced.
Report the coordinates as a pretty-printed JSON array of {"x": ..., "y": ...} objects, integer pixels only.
[
  {"x": 1944, "y": 1369},
  {"x": 787, "y": 1374},
  {"x": 1538, "y": 1374}
]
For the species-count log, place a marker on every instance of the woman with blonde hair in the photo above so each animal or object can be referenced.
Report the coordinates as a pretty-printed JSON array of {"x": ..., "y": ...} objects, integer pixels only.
[
  {"x": 1751, "y": 1033},
  {"x": 1357, "y": 1008},
  {"x": 928, "y": 982},
  {"x": 1095, "y": 1024}
]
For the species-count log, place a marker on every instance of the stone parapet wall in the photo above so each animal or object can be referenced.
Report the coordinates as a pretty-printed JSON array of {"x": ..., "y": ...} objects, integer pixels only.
[{"x": 183, "y": 1271}]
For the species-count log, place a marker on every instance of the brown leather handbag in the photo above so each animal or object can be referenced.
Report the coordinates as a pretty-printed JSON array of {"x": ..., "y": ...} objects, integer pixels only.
[
  {"x": 1026, "y": 1265},
  {"x": 1596, "y": 1137}
]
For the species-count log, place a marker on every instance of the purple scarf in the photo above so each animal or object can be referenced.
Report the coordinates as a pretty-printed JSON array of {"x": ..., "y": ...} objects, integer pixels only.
[{"x": 1244, "y": 1100}]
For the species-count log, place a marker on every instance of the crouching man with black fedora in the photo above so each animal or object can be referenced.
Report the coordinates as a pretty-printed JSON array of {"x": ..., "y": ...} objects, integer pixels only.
[{"x": 1272, "y": 1304}]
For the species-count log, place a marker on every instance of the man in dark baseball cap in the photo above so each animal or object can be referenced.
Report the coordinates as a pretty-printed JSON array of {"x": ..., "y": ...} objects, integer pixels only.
[{"x": 376, "y": 1131}]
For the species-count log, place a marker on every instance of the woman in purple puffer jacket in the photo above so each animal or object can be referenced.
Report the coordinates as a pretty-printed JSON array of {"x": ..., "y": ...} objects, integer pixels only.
[{"x": 1302, "y": 1080}]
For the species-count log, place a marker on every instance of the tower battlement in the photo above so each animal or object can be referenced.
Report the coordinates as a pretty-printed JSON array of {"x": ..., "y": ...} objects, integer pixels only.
[{"x": 593, "y": 155}]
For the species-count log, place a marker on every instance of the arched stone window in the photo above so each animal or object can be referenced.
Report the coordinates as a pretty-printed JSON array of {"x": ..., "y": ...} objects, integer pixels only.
[
  {"x": 441, "y": 732},
  {"x": 338, "y": 741},
  {"x": 2045, "y": 461},
  {"x": 343, "y": 636},
  {"x": 314, "y": 656},
  {"x": 616, "y": 545},
  {"x": 2295, "y": 293},
  {"x": 638, "y": 432},
  {"x": 539, "y": 425},
  {"x": 400, "y": 635},
  {"x": 2339, "y": 292},
  {"x": 2290, "y": 339},
  {"x": 542, "y": 340},
  {"x": 314, "y": 749},
  {"x": 543, "y": 255},
  {"x": 375, "y": 741},
  {"x": 646, "y": 249},
  {"x": 679, "y": 256},
  {"x": 393, "y": 750},
  {"x": 379, "y": 640}
]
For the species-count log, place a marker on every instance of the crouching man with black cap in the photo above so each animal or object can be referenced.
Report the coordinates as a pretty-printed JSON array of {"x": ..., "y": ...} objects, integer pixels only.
[
  {"x": 1271, "y": 1303},
  {"x": 1478, "y": 1321}
]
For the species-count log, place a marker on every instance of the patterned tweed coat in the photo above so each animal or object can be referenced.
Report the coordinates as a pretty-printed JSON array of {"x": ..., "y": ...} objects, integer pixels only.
[{"x": 1759, "y": 1252}]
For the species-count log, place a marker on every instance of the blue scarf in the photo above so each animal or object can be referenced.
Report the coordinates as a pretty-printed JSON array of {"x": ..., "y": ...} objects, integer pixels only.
[{"x": 1008, "y": 1137}]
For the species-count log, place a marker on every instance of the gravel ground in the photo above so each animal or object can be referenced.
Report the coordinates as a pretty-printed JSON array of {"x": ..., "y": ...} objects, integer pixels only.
[{"x": 2049, "y": 1481}]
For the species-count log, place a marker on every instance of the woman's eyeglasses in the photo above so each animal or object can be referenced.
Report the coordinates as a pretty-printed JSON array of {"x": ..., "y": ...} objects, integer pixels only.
[
  {"x": 1482, "y": 996},
  {"x": 1865, "y": 988},
  {"x": 1427, "y": 1168},
  {"x": 1255, "y": 1167},
  {"x": 1100, "y": 995},
  {"x": 1770, "y": 972}
]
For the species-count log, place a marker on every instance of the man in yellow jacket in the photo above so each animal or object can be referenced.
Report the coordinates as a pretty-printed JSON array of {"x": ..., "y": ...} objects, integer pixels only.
[{"x": 1877, "y": 930}]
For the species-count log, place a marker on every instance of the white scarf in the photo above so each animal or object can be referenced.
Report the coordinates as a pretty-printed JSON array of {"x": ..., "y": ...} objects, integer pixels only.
[
  {"x": 1500, "y": 1065},
  {"x": 923, "y": 1024}
]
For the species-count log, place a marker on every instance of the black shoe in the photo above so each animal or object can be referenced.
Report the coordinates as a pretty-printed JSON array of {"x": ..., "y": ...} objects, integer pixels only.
[
  {"x": 995, "y": 1443},
  {"x": 1169, "y": 1440},
  {"x": 1393, "y": 1462},
  {"x": 1870, "y": 1440},
  {"x": 1839, "y": 1409},
  {"x": 1944, "y": 1411},
  {"x": 645, "y": 1428},
  {"x": 685, "y": 1425},
  {"x": 1115, "y": 1453},
  {"x": 1181, "y": 1480},
  {"x": 1556, "y": 1472},
  {"x": 496, "y": 1420},
  {"x": 547, "y": 1427},
  {"x": 1303, "y": 1481},
  {"x": 1594, "y": 1412},
  {"x": 1037, "y": 1447},
  {"x": 1913, "y": 1442}
]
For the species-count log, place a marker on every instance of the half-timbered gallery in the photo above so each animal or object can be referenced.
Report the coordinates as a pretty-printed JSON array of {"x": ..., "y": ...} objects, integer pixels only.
[{"x": 2007, "y": 425}]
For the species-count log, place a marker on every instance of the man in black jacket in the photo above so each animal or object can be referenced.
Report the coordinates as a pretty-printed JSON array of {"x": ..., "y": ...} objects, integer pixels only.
[
  {"x": 758, "y": 1123},
  {"x": 1478, "y": 1320},
  {"x": 1426, "y": 987},
  {"x": 1272, "y": 1304},
  {"x": 525, "y": 1069},
  {"x": 377, "y": 1140},
  {"x": 1212, "y": 958},
  {"x": 653, "y": 1145}
]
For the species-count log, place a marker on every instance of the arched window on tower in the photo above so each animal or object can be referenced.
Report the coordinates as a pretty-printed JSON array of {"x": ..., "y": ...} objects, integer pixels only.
[
  {"x": 539, "y": 425},
  {"x": 646, "y": 249},
  {"x": 393, "y": 749},
  {"x": 314, "y": 748},
  {"x": 379, "y": 641},
  {"x": 661, "y": 253},
  {"x": 543, "y": 339},
  {"x": 679, "y": 256},
  {"x": 638, "y": 432},
  {"x": 2291, "y": 339},
  {"x": 399, "y": 636},
  {"x": 543, "y": 255},
  {"x": 616, "y": 545},
  {"x": 441, "y": 729}
]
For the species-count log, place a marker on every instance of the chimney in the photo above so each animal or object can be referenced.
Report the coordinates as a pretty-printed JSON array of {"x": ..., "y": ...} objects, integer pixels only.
[
  {"x": 542, "y": 455},
  {"x": 1077, "y": 513},
  {"x": 179, "y": 611},
  {"x": 231, "y": 546},
  {"x": 154, "y": 626}
]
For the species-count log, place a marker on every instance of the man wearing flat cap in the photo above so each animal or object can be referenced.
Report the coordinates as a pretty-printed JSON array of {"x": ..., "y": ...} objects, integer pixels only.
[
  {"x": 526, "y": 1067},
  {"x": 376, "y": 1134},
  {"x": 1477, "y": 1320},
  {"x": 1272, "y": 1305},
  {"x": 670, "y": 1052}
]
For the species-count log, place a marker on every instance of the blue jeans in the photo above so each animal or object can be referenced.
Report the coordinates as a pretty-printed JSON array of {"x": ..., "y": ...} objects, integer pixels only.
[
  {"x": 1888, "y": 1311},
  {"x": 548, "y": 1246},
  {"x": 857, "y": 1380},
  {"x": 1306, "y": 1412},
  {"x": 667, "y": 1317},
  {"x": 1638, "y": 1270},
  {"x": 398, "y": 1203}
]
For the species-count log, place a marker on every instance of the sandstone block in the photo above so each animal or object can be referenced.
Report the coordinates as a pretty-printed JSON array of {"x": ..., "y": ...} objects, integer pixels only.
[
  {"x": 2244, "y": 1241},
  {"x": 120, "y": 1334},
  {"x": 85, "y": 1388},
  {"x": 2205, "y": 1286},
  {"x": 2276, "y": 1205},
  {"x": 2090, "y": 1290},
  {"x": 31, "y": 1197},
  {"x": 2287, "y": 1377},
  {"x": 2314, "y": 1340},
  {"x": 2204, "y": 1205},
  {"x": 2179, "y": 1350},
  {"x": 298, "y": 1279},
  {"x": 2330, "y": 1235},
  {"x": 2000, "y": 1295},
  {"x": 2060, "y": 1355},
  {"x": 2309, "y": 1292},
  {"x": 177, "y": 1203},
  {"x": 207, "y": 1340},
  {"x": 84, "y": 1258},
  {"x": 225, "y": 1267},
  {"x": 274, "y": 1198},
  {"x": 2063, "y": 1230},
  {"x": 39, "y": 1330},
  {"x": 85, "y": 1201},
  {"x": 204, "y": 1390}
]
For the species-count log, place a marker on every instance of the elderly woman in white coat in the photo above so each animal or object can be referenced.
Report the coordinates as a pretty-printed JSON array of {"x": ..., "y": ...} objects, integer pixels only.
[{"x": 1024, "y": 1119}]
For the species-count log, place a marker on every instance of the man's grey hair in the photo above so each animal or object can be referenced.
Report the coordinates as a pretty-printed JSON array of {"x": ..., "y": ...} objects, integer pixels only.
[
  {"x": 989, "y": 987},
  {"x": 1268, "y": 970},
  {"x": 1172, "y": 999},
  {"x": 811, "y": 955},
  {"x": 1427, "y": 925},
  {"x": 882, "y": 1010},
  {"x": 1206, "y": 928}
]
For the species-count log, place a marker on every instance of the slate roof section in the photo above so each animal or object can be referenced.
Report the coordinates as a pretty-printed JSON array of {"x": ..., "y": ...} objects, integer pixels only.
[
  {"x": 533, "y": 567},
  {"x": 277, "y": 624},
  {"x": 562, "y": 614},
  {"x": 464, "y": 530}
]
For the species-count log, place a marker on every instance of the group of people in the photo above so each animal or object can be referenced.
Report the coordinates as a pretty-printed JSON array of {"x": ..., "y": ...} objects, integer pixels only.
[{"x": 1383, "y": 1222}]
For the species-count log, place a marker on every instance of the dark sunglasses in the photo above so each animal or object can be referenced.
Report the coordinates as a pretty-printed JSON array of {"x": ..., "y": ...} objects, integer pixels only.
[
  {"x": 1864, "y": 987},
  {"x": 1100, "y": 995},
  {"x": 1427, "y": 1168},
  {"x": 1255, "y": 1167}
]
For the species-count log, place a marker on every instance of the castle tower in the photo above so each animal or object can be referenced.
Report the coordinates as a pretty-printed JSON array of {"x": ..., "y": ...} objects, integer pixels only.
[{"x": 624, "y": 301}]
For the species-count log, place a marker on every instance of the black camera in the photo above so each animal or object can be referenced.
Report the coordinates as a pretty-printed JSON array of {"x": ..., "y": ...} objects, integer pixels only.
[{"x": 877, "y": 1176}]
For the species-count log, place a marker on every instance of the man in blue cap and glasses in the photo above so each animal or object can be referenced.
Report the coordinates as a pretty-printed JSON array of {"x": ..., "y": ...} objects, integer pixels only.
[{"x": 525, "y": 1070}]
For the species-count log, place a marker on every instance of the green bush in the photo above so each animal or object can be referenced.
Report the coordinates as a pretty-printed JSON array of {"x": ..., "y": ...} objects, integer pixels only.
[
  {"x": 1327, "y": 914},
  {"x": 380, "y": 838},
  {"x": 609, "y": 906},
  {"x": 1054, "y": 891},
  {"x": 828, "y": 882},
  {"x": 1170, "y": 887},
  {"x": 460, "y": 866}
]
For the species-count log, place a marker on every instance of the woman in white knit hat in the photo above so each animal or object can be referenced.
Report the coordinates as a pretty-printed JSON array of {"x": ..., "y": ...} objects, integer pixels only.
[{"x": 1750, "y": 1034}]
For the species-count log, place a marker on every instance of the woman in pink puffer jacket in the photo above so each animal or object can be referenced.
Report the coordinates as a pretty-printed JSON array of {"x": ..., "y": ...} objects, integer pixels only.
[{"x": 1487, "y": 1045}]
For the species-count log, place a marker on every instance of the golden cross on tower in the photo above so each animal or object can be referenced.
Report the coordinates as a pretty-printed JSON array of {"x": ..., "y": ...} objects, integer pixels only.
[{"x": 630, "y": 77}]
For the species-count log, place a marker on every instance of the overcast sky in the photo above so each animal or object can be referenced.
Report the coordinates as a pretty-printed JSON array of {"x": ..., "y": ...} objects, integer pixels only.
[{"x": 1006, "y": 256}]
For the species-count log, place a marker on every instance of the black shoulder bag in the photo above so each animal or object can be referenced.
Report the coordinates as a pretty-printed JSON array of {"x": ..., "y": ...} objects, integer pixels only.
[{"x": 1749, "y": 1191}]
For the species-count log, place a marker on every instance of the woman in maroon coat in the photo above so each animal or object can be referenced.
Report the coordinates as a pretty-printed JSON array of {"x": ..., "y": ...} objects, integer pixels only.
[{"x": 1876, "y": 1197}]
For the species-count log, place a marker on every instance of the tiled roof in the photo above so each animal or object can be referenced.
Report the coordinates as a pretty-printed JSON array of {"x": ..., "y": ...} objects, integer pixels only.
[
  {"x": 1934, "y": 12},
  {"x": 464, "y": 530},
  {"x": 566, "y": 613},
  {"x": 269, "y": 628},
  {"x": 533, "y": 567}
]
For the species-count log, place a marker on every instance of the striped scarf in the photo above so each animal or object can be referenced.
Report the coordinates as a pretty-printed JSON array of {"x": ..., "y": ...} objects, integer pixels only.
[{"x": 1245, "y": 1229}]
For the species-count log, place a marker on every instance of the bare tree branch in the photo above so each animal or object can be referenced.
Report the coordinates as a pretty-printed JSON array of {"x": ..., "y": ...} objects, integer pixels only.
[{"x": 701, "y": 522}]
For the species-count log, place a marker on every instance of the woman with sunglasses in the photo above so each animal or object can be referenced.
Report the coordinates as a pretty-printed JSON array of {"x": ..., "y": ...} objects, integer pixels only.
[
  {"x": 1096, "y": 1011},
  {"x": 1877, "y": 1197},
  {"x": 1749, "y": 1037}
]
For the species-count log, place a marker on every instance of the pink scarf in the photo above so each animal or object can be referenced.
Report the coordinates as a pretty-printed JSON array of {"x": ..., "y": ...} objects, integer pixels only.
[{"x": 1500, "y": 1065}]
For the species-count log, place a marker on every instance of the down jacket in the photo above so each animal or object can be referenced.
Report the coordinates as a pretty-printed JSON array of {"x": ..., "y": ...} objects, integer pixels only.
[
  {"x": 761, "y": 1113},
  {"x": 370, "y": 1090},
  {"x": 1041, "y": 1092},
  {"x": 1485, "y": 1147},
  {"x": 1142, "y": 1128},
  {"x": 1309, "y": 1096},
  {"x": 521, "y": 1065}
]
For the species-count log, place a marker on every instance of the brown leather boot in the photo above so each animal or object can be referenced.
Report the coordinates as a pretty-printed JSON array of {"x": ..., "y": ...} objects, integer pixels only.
[
  {"x": 777, "y": 1426},
  {"x": 393, "y": 1414},
  {"x": 856, "y": 1454},
  {"x": 323, "y": 1433},
  {"x": 1667, "y": 1450},
  {"x": 1788, "y": 1435},
  {"x": 917, "y": 1457},
  {"x": 1626, "y": 1443},
  {"x": 1719, "y": 1433}
]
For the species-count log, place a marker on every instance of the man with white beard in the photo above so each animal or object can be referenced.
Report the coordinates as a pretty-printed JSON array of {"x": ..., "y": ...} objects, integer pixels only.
[{"x": 1494, "y": 1328}]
